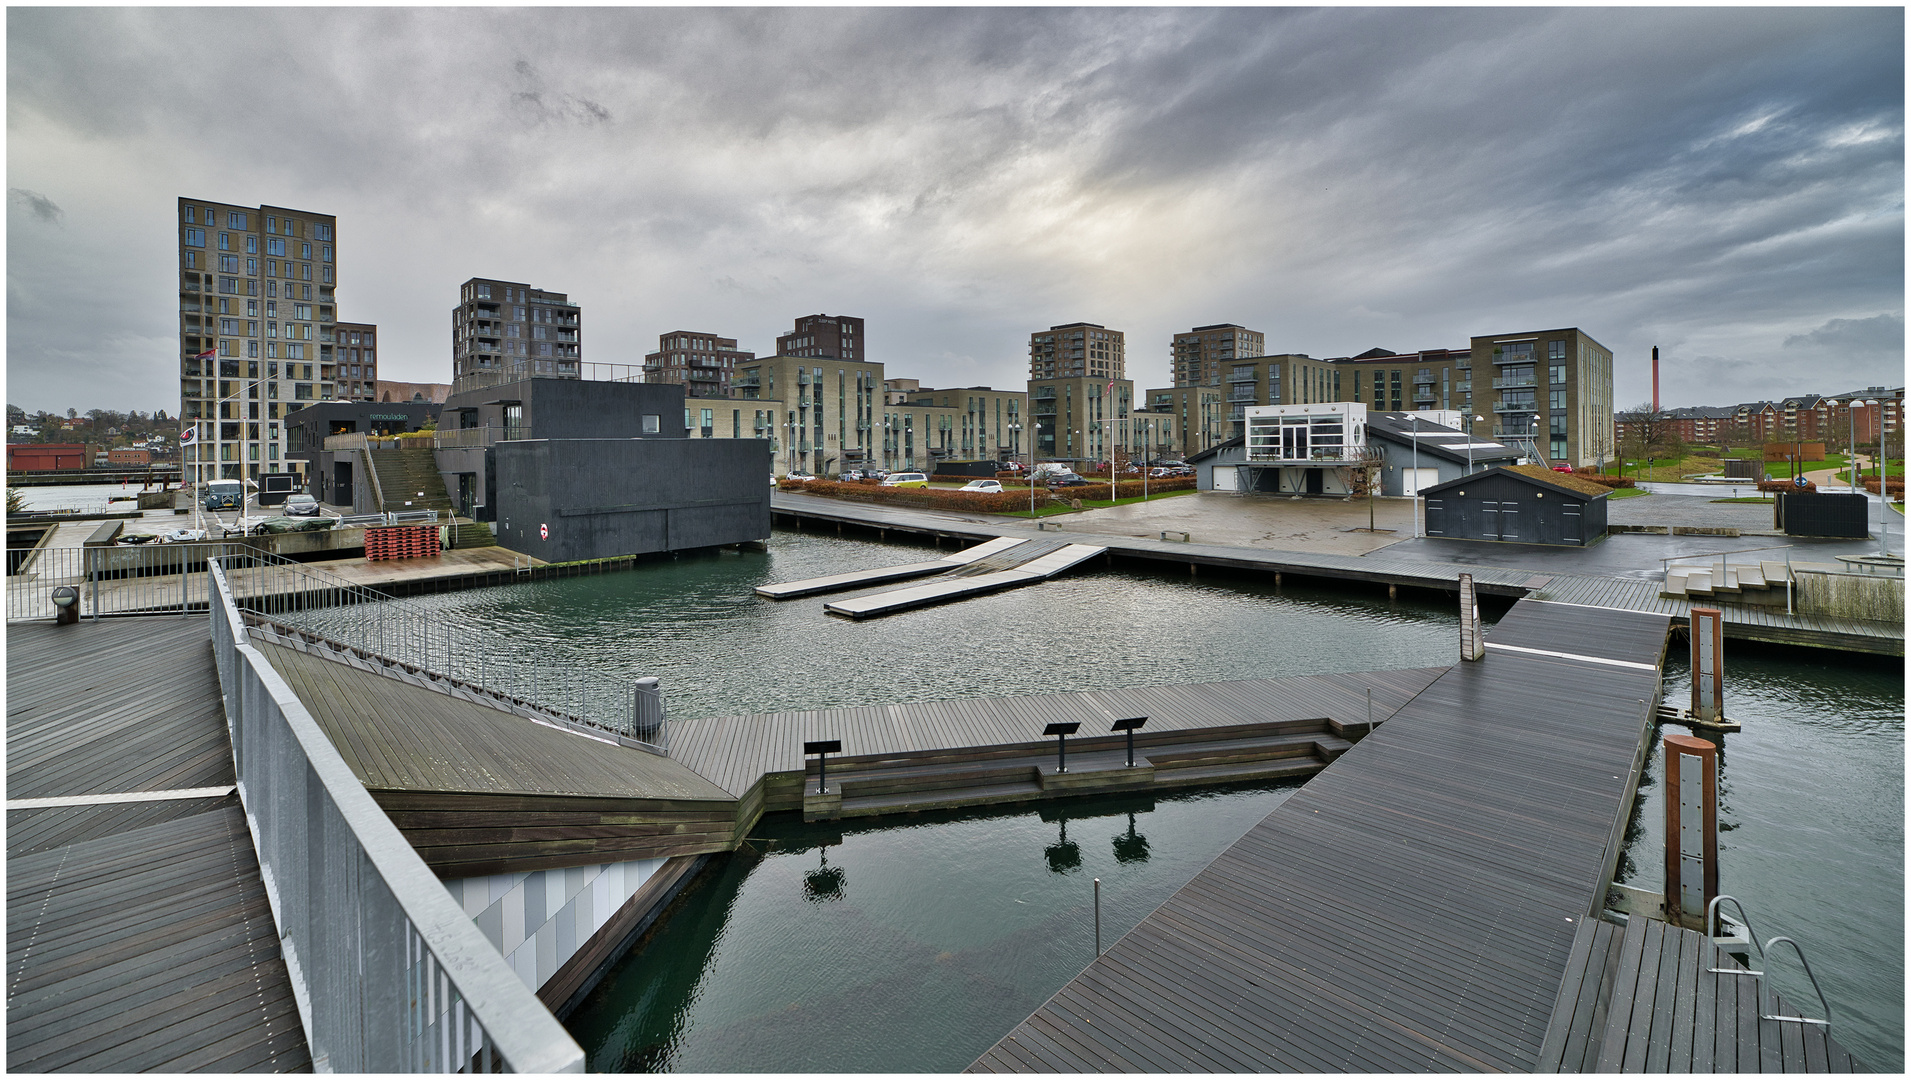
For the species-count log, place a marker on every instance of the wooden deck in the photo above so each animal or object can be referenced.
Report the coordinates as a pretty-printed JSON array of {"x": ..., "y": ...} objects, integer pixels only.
[
  {"x": 138, "y": 934},
  {"x": 481, "y": 791},
  {"x": 1413, "y": 907},
  {"x": 1741, "y": 622},
  {"x": 739, "y": 751},
  {"x": 1645, "y": 999}
]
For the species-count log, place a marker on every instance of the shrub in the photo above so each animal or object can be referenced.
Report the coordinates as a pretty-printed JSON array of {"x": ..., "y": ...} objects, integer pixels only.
[
  {"x": 1897, "y": 485},
  {"x": 1006, "y": 501},
  {"x": 1597, "y": 477}
]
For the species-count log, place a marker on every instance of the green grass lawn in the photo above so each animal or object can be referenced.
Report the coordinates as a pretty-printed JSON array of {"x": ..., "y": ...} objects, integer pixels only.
[{"x": 1629, "y": 493}]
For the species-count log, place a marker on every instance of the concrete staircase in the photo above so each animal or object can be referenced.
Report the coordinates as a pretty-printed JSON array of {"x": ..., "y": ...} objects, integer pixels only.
[{"x": 409, "y": 480}]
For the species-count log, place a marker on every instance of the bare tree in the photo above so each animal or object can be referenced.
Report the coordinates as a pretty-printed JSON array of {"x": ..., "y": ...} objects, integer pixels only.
[
  {"x": 1650, "y": 432},
  {"x": 1599, "y": 444}
]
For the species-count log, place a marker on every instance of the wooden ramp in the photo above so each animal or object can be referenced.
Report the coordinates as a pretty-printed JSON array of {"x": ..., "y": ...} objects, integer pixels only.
[
  {"x": 856, "y": 579},
  {"x": 138, "y": 933},
  {"x": 960, "y": 586},
  {"x": 477, "y": 790},
  {"x": 1413, "y": 907}
]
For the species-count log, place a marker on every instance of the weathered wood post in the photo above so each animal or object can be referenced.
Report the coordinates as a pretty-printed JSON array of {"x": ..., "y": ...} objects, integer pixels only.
[
  {"x": 1691, "y": 829},
  {"x": 1472, "y": 638},
  {"x": 1707, "y": 634}
]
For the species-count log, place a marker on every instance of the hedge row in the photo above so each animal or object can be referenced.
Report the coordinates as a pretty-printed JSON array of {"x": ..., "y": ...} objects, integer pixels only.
[
  {"x": 1598, "y": 477},
  {"x": 981, "y": 502}
]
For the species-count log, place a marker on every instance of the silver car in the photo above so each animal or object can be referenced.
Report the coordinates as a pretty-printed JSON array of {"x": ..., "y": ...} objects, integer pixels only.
[{"x": 300, "y": 505}]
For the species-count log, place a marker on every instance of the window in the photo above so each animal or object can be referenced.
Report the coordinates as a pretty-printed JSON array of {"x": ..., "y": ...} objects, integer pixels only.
[
  {"x": 195, "y": 238},
  {"x": 252, "y": 245},
  {"x": 225, "y": 241},
  {"x": 252, "y": 309},
  {"x": 1558, "y": 399},
  {"x": 188, "y": 212},
  {"x": 192, "y": 260},
  {"x": 235, "y": 220},
  {"x": 302, "y": 311},
  {"x": 252, "y": 349},
  {"x": 228, "y": 264},
  {"x": 326, "y": 277},
  {"x": 272, "y": 225},
  {"x": 302, "y": 392},
  {"x": 1558, "y": 374},
  {"x": 252, "y": 268},
  {"x": 305, "y": 271},
  {"x": 325, "y": 253},
  {"x": 1555, "y": 350},
  {"x": 305, "y": 251},
  {"x": 275, "y": 247}
]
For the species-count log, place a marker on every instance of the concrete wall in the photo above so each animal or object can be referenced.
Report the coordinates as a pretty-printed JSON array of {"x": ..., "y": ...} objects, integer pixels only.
[
  {"x": 1849, "y": 596},
  {"x": 540, "y": 919},
  {"x": 567, "y": 499},
  {"x": 467, "y": 459}
]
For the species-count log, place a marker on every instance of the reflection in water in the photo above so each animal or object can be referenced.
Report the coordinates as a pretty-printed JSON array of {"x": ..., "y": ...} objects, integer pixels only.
[
  {"x": 1131, "y": 846},
  {"x": 824, "y": 883},
  {"x": 1064, "y": 855},
  {"x": 943, "y": 946}
]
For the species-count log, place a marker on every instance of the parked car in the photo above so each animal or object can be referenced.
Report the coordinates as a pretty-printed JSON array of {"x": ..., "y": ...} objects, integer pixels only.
[
  {"x": 906, "y": 479},
  {"x": 851, "y": 476},
  {"x": 300, "y": 505},
  {"x": 1563, "y": 468},
  {"x": 1066, "y": 479},
  {"x": 983, "y": 485},
  {"x": 801, "y": 475}
]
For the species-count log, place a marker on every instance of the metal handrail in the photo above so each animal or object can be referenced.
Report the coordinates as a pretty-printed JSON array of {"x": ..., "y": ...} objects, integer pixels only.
[
  {"x": 1712, "y": 919},
  {"x": 1709, "y": 555},
  {"x": 1826, "y": 1022},
  {"x": 388, "y": 972},
  {"x": 375, "y": 625}
]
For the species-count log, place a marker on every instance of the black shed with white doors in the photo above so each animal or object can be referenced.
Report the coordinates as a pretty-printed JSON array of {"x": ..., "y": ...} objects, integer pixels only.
[{"x": 1517, "y": 504}]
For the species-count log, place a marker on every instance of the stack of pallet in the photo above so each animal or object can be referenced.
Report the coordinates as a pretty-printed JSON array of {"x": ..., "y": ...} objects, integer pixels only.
[{"x": 401, "y": 542}]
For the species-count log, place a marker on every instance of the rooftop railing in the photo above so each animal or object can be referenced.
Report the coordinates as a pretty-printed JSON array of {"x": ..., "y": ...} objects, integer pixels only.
[{"x": 388, "y": 972}]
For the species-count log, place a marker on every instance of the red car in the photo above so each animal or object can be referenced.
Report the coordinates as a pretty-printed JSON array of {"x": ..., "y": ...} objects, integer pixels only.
[{"x": 1563, "y": 468}]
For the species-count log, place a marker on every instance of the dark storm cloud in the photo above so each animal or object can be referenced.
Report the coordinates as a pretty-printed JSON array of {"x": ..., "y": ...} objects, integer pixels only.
[
  {"x": 36, "y": 204},
  {"x": 1719, "y": 182}
]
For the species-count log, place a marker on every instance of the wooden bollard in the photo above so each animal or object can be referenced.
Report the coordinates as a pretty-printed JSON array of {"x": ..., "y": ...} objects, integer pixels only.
[
  {"x": 1691, "y": 829},
  {"x": 1393, "y": 591},
  {"x": 1472, "y": 640}
]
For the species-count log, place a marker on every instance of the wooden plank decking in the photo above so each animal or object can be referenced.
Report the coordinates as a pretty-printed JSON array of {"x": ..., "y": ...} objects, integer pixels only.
[
  {"x": 1645, "y": 999},
  {"x": 138, "y": 934},
  {"x": 1412, "y": 908},
  {"x": 737, "y": 751}
]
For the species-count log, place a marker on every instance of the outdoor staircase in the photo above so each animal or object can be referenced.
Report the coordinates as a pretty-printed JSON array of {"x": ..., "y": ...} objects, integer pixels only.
[{"x": 410, "y": 480}]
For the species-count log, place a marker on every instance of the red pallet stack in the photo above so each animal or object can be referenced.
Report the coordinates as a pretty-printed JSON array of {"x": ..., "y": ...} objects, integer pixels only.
[{"x": 401, "y": 542}]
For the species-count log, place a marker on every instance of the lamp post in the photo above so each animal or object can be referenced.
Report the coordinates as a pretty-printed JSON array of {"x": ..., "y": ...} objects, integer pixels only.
[
  {"x": 1415, "y": 420},
  {"x": 1851, "y": 418},
  {"x": 1536, "y": 453},
  {"x": 1469, "y": 443}
]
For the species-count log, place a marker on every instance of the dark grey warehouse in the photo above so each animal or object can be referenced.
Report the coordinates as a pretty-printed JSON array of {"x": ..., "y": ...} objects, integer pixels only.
[{"x": 1521, "y": 504}]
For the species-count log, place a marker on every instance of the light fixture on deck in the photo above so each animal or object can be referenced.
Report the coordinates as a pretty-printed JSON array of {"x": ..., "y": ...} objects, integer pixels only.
[
  {"x": 1061, "y": 731},
  {"x": 66, "y": 605},
  {"x": 822, "y": 749},
  {"x": 1131, "y": 846},
  {"x": 824, "y": 883},
  {"x": 1064, "y": 855},
  {"x": 1129, "y": 725}
]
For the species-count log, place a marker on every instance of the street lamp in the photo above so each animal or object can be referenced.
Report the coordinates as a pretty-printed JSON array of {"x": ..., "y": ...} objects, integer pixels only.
[
  {"x": 1469, "y": 442},
  {"x": 1851, "y": 417},
  {"x": 1536, "y": 453},
  {"x": 1415, "y": 420}
]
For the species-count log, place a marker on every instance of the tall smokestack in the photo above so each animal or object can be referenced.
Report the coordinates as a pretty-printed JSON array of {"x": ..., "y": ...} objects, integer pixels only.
[{"x": 1655, "y": 378}]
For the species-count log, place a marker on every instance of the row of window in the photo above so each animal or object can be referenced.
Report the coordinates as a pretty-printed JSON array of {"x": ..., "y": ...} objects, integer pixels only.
[{"x": 236, "y": 220}]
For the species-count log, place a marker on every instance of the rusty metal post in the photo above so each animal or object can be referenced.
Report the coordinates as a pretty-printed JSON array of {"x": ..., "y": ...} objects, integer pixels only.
[
  {"x": 1707, "y": 634},
  {"x": 1472, "y": 641},
  {"x": 1691, "y": 829}
]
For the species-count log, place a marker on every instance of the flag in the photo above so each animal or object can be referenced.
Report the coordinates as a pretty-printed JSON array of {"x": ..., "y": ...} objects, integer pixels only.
[
  {"x": 207, "y": 355},
  {"x": 188, "y": 435}
]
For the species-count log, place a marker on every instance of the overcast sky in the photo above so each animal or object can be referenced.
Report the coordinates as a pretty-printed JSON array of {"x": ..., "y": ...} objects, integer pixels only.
[{"x": 1727, "y": 184}]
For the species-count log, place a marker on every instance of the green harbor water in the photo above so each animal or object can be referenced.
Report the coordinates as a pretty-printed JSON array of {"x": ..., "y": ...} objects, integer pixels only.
[{"x": 900, "y": 945}]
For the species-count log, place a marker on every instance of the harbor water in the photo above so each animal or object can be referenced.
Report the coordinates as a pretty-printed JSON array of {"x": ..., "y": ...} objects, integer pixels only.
[{"x": 918, "y": 963}]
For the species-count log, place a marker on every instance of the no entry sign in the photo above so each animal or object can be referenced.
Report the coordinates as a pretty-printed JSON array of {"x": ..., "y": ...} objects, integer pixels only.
[{"x": 543, "y": 532}]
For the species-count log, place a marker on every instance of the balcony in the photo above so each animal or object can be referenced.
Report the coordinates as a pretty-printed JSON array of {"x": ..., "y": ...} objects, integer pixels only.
[
  {"x": 1514, "y": 407},
  {"x": 1426, "y": 395},
  {"x": 1515, "y": 381},
  {"x": 1465, "y": 387},
  {"x": 1243, "y": 395},
  {"x": 1514, "y": 358}
]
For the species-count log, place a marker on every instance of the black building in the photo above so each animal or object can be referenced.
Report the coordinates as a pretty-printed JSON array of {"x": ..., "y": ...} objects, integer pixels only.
[
  {"x": 1521, "y": 504},
  {"x": 330, "y": 476}
]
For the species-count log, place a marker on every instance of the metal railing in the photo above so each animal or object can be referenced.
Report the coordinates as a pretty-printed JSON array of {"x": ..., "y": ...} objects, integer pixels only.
[
  {"x": 389, "y": 973},
  {"x": 378, "y": 628},
  {"x": 1713, "y": 920},
  {"x": 154, "y": 579}
]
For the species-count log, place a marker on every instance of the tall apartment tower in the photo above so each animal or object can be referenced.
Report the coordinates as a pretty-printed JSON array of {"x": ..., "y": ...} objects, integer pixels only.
[
  {"x": 1078, "y": 351},
  {"x": 504, "y": 331},
  {"x": 256, "y": 306},
  {"x": 357, "y": 353},
  {"x": 701, "y": 361},
  {"x": 839, "y": 337},
  {"x": 1200, "y": 353}
]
